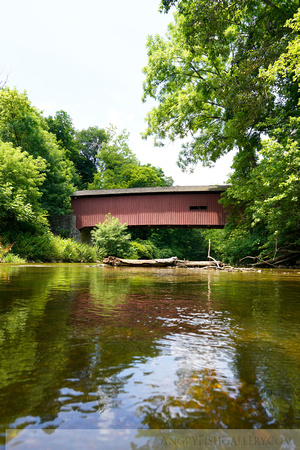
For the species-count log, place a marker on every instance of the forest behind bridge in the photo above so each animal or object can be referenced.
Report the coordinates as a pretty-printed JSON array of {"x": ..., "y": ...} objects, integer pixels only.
[{"x": 225, "y": 78}]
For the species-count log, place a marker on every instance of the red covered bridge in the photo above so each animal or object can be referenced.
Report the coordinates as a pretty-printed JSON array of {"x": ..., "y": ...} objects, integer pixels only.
[{"x": 157, "y": 207}]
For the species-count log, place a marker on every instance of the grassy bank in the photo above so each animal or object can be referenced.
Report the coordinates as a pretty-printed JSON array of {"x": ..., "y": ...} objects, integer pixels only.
[{"x": 45, "y": 248}]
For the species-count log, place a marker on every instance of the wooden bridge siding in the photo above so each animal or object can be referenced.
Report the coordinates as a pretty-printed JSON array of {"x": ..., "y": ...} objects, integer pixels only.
[{"x": 151, "y": 209}]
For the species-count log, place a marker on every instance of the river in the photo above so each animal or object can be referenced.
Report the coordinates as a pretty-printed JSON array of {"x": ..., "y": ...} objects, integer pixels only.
[{"x": 118, "y": 348}]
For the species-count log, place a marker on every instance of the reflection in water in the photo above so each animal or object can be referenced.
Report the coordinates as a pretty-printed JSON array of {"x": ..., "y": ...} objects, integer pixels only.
[
  {"x": 87, "y": 347},
  {"x": 203, "y": 401}
]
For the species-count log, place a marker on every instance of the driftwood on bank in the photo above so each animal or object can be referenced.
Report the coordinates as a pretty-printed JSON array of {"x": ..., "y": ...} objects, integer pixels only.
[
  {"x": 114, "y": 261},
  {"x": 281, "y": 257},
  {"x": 168, "y": 262}
]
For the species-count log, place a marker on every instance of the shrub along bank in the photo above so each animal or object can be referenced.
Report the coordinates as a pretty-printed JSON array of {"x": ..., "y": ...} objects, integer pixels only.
[{"x": 48, "y": 248}]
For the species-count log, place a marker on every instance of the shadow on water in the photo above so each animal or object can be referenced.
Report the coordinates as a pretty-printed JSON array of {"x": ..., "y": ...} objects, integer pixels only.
[{"x": 89, "y": 347}]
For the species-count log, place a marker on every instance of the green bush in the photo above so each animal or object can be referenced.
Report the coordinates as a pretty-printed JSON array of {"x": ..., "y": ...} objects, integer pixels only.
[
  {"x": 73, "y": 251},
  {"x": 11, "y": 258},
  {"x": 143, "y": 249},
  {"x": 181, "y": 242},
  {"x": 233, "y": 244},
  {"x": 50, "y": 248},
  {"x": 110, "y": 238},
  {"x": 165, "y": 253}
]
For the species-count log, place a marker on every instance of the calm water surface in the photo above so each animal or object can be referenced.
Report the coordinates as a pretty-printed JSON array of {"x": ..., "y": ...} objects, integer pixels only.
[{"x": 91, "y": 347}]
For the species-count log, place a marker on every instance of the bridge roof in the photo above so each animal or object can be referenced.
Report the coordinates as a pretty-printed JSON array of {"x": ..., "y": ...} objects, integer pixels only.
[{"x": 151, "y": 190}]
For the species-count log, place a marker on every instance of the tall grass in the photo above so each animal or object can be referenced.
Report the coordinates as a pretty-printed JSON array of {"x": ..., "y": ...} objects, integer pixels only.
[
  {"x": 50, "y": 248},
  {"x": 11, "y": 258}
]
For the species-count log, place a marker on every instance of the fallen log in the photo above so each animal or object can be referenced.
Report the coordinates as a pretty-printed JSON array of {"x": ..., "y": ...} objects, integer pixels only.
[
  {"x": 196, "y": 264},
  {"x": 114, "y": 261},
  {"x": 167, "y": 262}
]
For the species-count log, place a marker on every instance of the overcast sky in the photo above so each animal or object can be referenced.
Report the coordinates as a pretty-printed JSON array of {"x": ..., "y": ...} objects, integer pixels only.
[{"x": 86, "y": 58}]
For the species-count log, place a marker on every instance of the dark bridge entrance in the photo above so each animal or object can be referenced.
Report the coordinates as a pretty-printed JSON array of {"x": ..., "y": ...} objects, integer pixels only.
[{"x": 157, "y": 207}]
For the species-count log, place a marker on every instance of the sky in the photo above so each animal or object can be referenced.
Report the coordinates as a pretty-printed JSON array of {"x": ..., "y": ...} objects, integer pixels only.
[{"x": 86, "y": 58}]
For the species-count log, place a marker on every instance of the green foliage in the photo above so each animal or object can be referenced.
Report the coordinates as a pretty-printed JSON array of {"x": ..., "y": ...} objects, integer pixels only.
[
  {"x": 89, "y": 144},
  {"x": 184, "y": 243},
  {"x": 143, "y": 249},
  {"x": 72, "y": 251},
  {"x": 111, "y": 238},
  {"x": 264, "y": 206},
  {"x": 205, "y": 77},
  {"x": 11, "y": 258},
  {"x": 271, "y": 195},
  {"x": 118, "y": 167},
  {"x": 232, "y": 244},
  {"x": 21, "y": 176},
  {"x": 277, "y": 182},
  {"x": 23, "y": 126},
  {"x": 37, "y": 176},
  {"x": 62, "y": 127},
  {"x": 50, "y": 248},
  {"x": 288, "y": 60},
  {"x": 226, "y": 76},
  {"x": 4, "y": 250},
  {"x": 264, "y": 211},
  {"x": 81, "y": 147},
  {"x": 166, "y": 4},
  {"x": 102, "y": 158}
]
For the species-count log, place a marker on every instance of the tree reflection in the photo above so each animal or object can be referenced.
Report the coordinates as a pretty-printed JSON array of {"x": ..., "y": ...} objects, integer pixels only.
[
  {"x": 33, "y": 338},
  {"x": 81, "y": 342},
  {"x": 202, "y": 401}
]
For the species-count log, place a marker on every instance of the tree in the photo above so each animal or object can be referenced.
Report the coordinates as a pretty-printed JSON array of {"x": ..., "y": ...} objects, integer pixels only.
[
  {"x": 277, "y": 185},
  {"x": 264, "y": 202},
  {"x": 166, "y": 4},
  {"x": 205, "y": 77},
  {"x": 21, "y": 176},
  {"x": 111, "y": 238},
  {"x": 89, "y": 143},
  {"x": 147, "y": 176},
  {"x": 264, "y": 211},
  {"x": 211, "y": 79},
  {"x": 81, "y": 147},
  {"x": 118, "y": 167},
  {"x": 23, "y": 126},
  {"x": 273, "y": 188},
  {"x": 62, "y": 127}
]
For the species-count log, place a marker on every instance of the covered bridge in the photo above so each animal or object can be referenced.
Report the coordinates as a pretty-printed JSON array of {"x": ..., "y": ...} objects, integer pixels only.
[{"x": 157, "y": 207}]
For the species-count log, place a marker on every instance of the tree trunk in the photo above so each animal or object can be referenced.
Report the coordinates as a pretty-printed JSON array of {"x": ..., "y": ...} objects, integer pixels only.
[{"x": 174, "y": 261}]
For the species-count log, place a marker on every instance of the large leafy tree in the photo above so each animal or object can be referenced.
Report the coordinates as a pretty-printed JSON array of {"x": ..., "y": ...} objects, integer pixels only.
[
  {"x": 118, "y": 167},
  {"x": 61, "y": 125},
  {"x": 270, "y": 198},
  {"x": 102, "y": 157},
  {"x": 81, "y": 147},
  {"x": 89, "y": 143},
  {"x": 21, "y": 176},
  {"x": 205, "y": 76},
  {"x": 211, "y": 80},
  {"x": 23, "y": 126},
  {"x": 265, "y": 208}
]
